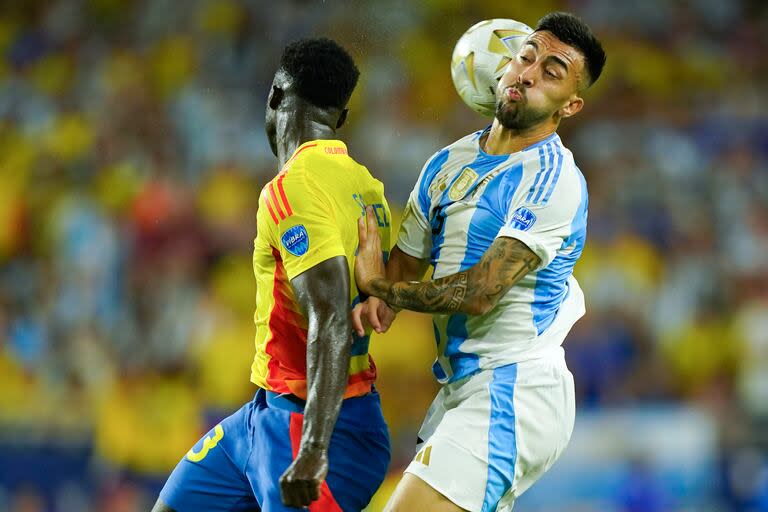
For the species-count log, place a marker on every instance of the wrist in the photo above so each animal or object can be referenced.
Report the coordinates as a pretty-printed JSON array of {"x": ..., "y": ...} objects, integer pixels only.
[
  {"x": 313, "y": 447},
  {"x": 380, "y": 287}
]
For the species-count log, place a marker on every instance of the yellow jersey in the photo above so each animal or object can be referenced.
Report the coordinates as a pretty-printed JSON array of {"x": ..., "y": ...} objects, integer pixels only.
[{"x": 307, "y": 214}]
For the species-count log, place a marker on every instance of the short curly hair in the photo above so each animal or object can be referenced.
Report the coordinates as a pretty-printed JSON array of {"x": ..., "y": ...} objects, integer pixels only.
[
  {"x": 323, "y": 71},
  {"x": 574, "y": 32}
]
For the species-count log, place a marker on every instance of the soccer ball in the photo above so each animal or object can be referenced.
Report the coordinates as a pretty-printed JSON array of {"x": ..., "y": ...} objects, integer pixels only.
[{"x": 479, "y": 59}]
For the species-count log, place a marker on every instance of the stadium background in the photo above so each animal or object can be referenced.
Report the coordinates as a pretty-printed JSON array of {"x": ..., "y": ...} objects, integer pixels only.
[{"x": 131, "y": 155}]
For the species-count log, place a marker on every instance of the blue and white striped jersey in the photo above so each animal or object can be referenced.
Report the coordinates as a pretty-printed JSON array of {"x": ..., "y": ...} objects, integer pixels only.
[{"x": 463, "y": 200}]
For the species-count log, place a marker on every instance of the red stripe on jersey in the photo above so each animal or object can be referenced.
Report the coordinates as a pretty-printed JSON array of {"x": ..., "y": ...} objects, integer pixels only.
[
  {"x": 274, "y": 200},
  {"x": 287, "y": 345},
  {"x": 271, "y": 211},
  {"x": 282, "y": 194},
  {"x": 326, "y": 502},
  {"x": 360, "y": 383}
]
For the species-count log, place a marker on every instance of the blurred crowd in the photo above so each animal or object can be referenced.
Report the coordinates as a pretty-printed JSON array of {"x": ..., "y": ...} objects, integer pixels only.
[{"x": 132, "y": 153}]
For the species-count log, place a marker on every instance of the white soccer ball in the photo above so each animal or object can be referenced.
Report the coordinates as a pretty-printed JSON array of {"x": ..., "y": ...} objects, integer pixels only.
[{"x": 479, "y": 60}]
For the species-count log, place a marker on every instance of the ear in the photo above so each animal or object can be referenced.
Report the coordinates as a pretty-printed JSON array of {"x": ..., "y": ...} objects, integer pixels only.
[
  {"x": 573, "y": 107},
  {"x": 275, "y": 97},
  {"x": 342, "y": 118}
]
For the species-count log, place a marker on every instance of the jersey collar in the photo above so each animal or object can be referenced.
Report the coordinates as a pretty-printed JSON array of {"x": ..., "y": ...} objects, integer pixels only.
[
  {"x": 554, "y": 137},
  {"x": 321, "y": 143}
]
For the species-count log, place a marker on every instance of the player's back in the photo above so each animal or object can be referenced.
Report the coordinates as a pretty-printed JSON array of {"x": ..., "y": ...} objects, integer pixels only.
[{"x": 307, "y": 214}]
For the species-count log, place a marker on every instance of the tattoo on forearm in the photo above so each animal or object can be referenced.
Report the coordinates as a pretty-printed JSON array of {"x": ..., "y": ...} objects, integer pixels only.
[
  {"x": 478, "y": 288},
  {"x": 459, "y": 292}
]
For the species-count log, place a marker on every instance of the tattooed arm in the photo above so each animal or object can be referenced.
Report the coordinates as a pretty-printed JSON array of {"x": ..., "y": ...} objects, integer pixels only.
[
  {"x": 474, "y": 291},
  {"x": 376, "y": 312}
]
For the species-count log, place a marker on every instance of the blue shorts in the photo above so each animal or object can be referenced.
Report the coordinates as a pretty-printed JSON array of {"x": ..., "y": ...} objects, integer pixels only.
[{"x": 237, "y": 465}]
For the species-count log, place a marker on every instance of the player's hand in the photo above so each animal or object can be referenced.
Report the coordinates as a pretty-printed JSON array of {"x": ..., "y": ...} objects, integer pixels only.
[
  {"x": 375, "y": 313},
  {"x": 300, "y": 484},
  {"x": 369, "y": 264}
]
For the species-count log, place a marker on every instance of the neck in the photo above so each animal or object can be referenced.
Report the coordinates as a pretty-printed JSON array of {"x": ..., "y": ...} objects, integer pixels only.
[
  {"x": 299, "y": 134},
  {"x": 503, "y": 141}
]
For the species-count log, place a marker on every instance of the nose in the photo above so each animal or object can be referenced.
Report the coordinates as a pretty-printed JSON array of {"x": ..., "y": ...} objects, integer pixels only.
[{"x": 525, "y": 78}]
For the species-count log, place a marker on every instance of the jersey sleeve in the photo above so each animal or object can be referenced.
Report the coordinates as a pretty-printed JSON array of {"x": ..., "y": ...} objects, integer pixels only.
[
  {"x": 415, "y": 236},
  {"x": 301, "y": 219},
  {"x": 544, "y": 221}
]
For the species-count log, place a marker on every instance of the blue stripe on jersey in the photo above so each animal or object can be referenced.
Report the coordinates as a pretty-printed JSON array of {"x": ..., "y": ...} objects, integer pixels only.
[
  {"x": 488, "y": 218},
  {"x": 502, "y": 439},
  {"x": 437, "y": 370},
  {"x": 437, "y": 223},
  {"x": 538, "y": 175},
  {"x": 462, "y": 363},
  {"x": 550, "y": 165},
  {"x": 359, "y": 343},
  {"x": 482, "y": 165},
  {"x": 557, "y": 174},
  {"x": 551, "y": 286},
  {"x": 433, "y": 167},
  {"x": 490, "y": 214}
]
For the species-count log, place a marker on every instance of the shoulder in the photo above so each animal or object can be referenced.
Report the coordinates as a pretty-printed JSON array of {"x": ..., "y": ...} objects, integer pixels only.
[
  {"x": 311, "y": 155},
  {"x": 570, "y": 174},
  {"x": 304, "y": 168},
  {"x": 465, "y": 145},
  {"x": 551, "y": 170}
]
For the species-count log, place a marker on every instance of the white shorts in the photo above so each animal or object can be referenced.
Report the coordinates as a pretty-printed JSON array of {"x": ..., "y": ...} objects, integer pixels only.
[{"x": 488, "y": 438}]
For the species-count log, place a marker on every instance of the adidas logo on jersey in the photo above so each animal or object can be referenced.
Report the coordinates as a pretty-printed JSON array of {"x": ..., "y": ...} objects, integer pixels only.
[{"x": 424, "y": 455}]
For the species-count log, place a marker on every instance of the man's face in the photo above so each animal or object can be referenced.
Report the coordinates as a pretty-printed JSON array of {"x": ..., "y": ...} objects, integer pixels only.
[{"x": 542, "y": 81}]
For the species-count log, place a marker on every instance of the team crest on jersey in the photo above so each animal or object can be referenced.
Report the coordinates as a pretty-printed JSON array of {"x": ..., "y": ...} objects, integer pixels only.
[
  {"x": 296, "y": 240},
  {"x": 484, "y": 183},
  {"x": 462, "y": 184},
  {"x": 522, "y": 219}
]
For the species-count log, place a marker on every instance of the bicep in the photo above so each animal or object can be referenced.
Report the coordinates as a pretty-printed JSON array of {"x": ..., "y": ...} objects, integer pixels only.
[
  {"x": 323, "y": 292},
  {"x": 505, "y": 262}
]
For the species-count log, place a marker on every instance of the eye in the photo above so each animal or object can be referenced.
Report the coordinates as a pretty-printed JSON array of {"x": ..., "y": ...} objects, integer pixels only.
[
  {"x": 524, "y": 58},
  {"x": 551, "y": 73}
]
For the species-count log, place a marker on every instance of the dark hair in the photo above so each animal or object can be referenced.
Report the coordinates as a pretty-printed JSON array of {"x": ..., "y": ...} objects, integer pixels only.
[
  {"x": 574, "y": 32},
  {"x": 324, "y": 73}
]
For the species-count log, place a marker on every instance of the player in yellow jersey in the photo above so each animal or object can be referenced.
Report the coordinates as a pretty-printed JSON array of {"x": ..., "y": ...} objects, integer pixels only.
[{"x": 314, "y": 434}]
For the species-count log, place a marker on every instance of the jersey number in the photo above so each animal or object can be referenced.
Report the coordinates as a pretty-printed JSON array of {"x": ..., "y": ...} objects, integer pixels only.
[
  {"x": 208, "y": 443},
  {"x": 378, "y": 208}
]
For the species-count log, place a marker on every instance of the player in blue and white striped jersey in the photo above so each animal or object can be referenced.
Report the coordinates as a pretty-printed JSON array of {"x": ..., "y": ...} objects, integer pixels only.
[
  {"x": 465, "y": 199},
  {"x": 501, "y": 214}
]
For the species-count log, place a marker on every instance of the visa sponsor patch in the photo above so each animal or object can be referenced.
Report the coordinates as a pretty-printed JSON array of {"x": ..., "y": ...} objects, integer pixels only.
[
  {"x": 522, "y": 219},
  {"x": 296, "y": 240}
]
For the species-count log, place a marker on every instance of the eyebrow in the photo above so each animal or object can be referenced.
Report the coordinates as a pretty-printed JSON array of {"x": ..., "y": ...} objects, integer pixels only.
[
  {"x": 557, "y": 60},
  {"x": 560, "y": 61}
]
